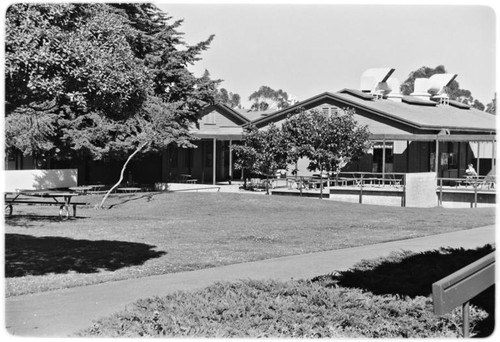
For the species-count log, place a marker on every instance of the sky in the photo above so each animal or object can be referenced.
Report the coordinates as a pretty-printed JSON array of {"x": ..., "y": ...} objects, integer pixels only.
[{"x": 307, "y": 49}]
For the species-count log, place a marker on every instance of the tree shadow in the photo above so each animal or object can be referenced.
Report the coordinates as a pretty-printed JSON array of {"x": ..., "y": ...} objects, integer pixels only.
[
  {"x": 412, "y": 274},
  {"x": 31, "y": 255},
  {"x": 133, "y": 197},
  {"x": 27, "y": 220}
]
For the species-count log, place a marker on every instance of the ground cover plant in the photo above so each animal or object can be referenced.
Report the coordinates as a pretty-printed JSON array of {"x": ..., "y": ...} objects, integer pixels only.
[
  {"x": 158, "y": 233},
  {"x": 338, "y": 305}
]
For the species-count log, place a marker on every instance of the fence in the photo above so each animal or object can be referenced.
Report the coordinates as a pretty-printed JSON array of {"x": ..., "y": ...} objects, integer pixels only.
[
  {"x": 475, "y": 185},
  {"x": 460, "y": 287}
]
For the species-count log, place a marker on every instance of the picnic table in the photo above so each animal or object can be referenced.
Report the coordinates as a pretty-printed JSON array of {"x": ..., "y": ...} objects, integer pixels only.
[
  {"x": 186, "y": 178},
  {"x": 86, "y": 189},
  {"x": 63, "y": 199},
  {"x": 81, "y": 189},
  {"x": 129, "y": 189}
]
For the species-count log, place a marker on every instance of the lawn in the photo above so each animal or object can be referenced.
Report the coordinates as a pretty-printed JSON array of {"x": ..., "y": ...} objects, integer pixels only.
[{"x": 148, "y": 234}]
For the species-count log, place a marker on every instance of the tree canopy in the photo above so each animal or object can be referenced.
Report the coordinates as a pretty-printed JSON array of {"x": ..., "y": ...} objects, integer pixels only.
[
  {"x": 453, "y": 90},
  {"x": 328, "y": 141},
  {"x": 228, "y": 98},
  {"x": 263, "y": 151},
  {"x": 102, "y": 79},
  {"x": 266, "y": 98}
]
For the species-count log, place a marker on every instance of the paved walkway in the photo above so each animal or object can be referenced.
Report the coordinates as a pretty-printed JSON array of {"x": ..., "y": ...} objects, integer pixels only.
[{"x": 62, "y": 313}]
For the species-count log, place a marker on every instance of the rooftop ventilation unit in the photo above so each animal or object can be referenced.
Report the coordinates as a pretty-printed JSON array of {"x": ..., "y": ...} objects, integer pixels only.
[
  {"x": 434, "y": 86},
  {"x": 374, "y": 81},
  {"x": 420, "y": 88},
  {"x": 438, "y": 82},
  {"x": 395, "y": 94}
]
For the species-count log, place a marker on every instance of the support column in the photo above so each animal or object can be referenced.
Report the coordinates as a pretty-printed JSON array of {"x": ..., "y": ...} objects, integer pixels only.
[
  {"x": 230, "y": 161},
  {"x": 477, "y": 160},
  {"x": 383, "y": 158},
  {"x": 493, "y": 155},
  {"x": 407, "y": 156},
  {"x": 436, "y": 158},
  {"x": 214, "y": 163}
]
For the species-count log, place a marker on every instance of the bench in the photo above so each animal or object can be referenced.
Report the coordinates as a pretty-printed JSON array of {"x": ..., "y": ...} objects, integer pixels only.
[{"x": 63, "y": 207}]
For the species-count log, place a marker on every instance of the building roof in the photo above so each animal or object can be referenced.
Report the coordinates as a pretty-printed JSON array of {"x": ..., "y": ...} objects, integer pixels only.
[
  {"x": 232, "y": 113},
  {"x": 411, "y": 111},
  {"x": 253, "y": 115}
]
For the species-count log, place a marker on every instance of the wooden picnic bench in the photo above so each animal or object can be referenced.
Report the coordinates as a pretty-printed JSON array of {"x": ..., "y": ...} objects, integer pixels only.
[{"x": 59, "y": 198}]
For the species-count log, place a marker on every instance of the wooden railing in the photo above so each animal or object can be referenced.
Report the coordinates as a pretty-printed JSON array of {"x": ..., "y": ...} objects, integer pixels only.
[
  {"x": 460, "y": 287},
  {"x": 472, "y": 184}
]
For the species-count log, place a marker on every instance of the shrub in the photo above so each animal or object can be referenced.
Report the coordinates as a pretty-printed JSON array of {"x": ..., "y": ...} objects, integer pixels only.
[{"x": 281, "y": 309}]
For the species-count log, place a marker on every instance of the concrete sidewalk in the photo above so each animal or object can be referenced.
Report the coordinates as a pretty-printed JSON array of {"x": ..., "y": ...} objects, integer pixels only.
[{"x": 64, "y": 312}]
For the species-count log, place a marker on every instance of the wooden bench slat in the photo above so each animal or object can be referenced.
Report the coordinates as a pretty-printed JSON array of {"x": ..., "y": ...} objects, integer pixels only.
[{"x": 43, "y": 202}]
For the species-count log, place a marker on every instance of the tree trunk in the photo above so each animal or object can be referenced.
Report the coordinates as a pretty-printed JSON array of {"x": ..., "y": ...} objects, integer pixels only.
[{"x": 124, "y": 167}]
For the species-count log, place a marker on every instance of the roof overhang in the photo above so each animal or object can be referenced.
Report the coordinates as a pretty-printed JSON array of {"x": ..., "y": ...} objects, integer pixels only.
[
  {"x": 434, "y": 137},
  {"x": 227, "y": 111},
  {"x": 218, "y": 136}
]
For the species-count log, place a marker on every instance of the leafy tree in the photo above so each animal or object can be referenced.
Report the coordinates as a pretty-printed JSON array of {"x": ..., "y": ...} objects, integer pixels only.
[
  {"x": 228, "y": 98},
  {"x": 99, "y": 80},
  {"x": 267, "y": 97},
  {"x": 263, "y": 152},
  {"x": 453, "y": 90},
  {"x": 492, "y": 106},
  {"x": 328, "y": 141}
]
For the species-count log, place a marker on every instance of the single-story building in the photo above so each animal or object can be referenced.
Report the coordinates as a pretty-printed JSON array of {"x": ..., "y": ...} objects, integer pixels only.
[{"x": 421, "y": 132}]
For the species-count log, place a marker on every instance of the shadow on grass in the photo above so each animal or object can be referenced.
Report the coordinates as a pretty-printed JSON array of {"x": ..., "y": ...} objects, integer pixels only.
[
  {"x": 30, "y": 255},
  {"x": 133, "y": 197},
  {"x": 27, "y": 220},
  {"x": 412, "y": 274}
]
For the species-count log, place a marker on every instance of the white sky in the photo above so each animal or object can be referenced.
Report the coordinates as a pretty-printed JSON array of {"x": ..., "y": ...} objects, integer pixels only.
[{"x": 306, "y": 49}]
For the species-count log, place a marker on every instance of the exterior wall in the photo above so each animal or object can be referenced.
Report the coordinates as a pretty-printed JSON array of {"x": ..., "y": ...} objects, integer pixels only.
[
  {"x": 421, "y": 189},
  {"x": 217, "y": 123},
  {"x": 40, "y": 179}
]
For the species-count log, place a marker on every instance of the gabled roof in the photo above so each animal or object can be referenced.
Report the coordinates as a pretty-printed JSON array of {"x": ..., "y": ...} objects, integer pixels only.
[
  {"x": 253, "y": 115},
  {"x": 414, "y": 113},
  {"x": 229, "y": 112}
]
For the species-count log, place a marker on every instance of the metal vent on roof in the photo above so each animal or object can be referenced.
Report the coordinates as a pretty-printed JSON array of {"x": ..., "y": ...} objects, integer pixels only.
[
  {"x": 395, "y": 94},
  {"x": 434, "y": 86},
  {"x": 374, "y": 81}
]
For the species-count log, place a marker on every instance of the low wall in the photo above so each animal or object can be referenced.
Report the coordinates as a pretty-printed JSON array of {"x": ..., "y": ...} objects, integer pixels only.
[
  {"x": 466, "y": 199},
  {"x": 390, "y": 197},
  {"x": 40, "y": 179}
]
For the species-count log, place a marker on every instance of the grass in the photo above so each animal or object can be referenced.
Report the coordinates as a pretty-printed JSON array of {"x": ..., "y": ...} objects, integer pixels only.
[
  {"x": 149, "y": 234},
  {"x": 349, "y": 304}
]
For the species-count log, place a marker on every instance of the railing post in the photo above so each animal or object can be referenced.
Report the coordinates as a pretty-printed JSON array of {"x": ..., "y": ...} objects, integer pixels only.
[
  {"x": 404, "y": 190},
  {"x": 440, "y": 192},
  {"x": 465, "y": 319},
  {"x": 475, "y": 193},
  {"x": 361, "y": 191}
]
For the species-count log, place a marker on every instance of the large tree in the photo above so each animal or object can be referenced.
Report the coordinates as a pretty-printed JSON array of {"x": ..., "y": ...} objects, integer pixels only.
[
  {"x": 328, "y": 141},
  {"x": 266, "y": 98},
  {"x": 233, "y": 100},
  {"x": 453, "y": 90},
  {"x": 492, "y": 106},
  {"x": 99, "y": 80}
]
